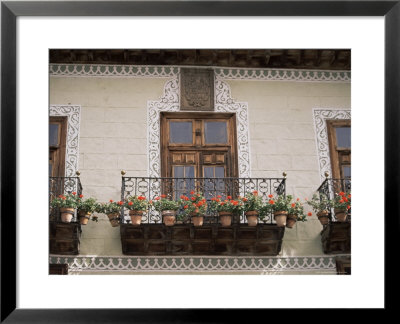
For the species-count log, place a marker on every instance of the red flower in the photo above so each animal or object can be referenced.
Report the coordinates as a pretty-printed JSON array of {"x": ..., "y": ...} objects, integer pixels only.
[
  {"x": 219, "y": 196},
  {"x": 309, "y": 214},
  {"x": 60, "y": 196},
  {"x": 80, "y": 196},
  {"x": 348, "y": 206},
  {"x": 157, "y": 198},
  {"x": 213, "y": 199},
  {"x": 293, "y": 204},
  {"x": 341, "y": 201},
  {"x": 345, "y": 199},
  {"x": 130, "y": 203},
  {"x": 270, "y": 196},
  {"x": 63, "y": 198},
  {"x": 186, "y": 198},
  {"x": 255, "y": 192},
  {"x": 245, "y": 199},
  {"x": 111, "y": 200},
  {"x": 120, "y": 203},
  {"x": 192, "y": 192},
  {"x": 298, "y": 199},
  {"x": 341, "y": 193},
  {"x": 151, "y": 201},
  {"x": 193, "y": 198},
  {"x": 183, "y": 197},
  {"x": 196, "y": 210},
  {"x": 234, "y": 203},
  {"x": 74, "y": 193},
  {"x": 349, "y": 196},
  {"x": 218, "y": 200},
  {"x": 222, "y": 203},
  {"x": 141, "y": 198},
  {"x": 271, "y": 202},
  {"x": 163, "y": 196},
  {"x": 185, "y": 207},
  {"x": 229, "y": 197}
]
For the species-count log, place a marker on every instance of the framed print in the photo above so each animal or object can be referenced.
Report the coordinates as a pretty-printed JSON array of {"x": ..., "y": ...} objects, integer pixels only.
[{"x": 191, "y": 110}]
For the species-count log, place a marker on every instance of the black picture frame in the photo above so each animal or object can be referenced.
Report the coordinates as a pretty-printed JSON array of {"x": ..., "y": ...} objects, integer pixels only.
[{"x": 10, "y": 10}]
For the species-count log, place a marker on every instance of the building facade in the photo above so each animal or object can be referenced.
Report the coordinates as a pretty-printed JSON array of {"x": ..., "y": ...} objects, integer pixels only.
[{"x": 290, "y": 124}]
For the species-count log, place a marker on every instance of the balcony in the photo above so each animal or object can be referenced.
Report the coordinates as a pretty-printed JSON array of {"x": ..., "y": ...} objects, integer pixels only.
[
  {"x": 336, "y": 236},
  {"x": 64, "y": 237},
  {"x": 154, "y": 238}
]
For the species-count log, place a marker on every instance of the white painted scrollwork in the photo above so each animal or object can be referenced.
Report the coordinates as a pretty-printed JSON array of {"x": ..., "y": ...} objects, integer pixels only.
[
  {"x": 321, "y": 115},
  {"x": 73, "y": 112}
]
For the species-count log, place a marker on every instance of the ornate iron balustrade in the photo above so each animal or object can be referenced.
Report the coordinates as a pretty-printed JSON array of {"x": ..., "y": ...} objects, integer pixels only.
[
  {"x": 210, "y": 187},
  {"x": 332, "y": 187},
  {"x": 62, "y": 186}
]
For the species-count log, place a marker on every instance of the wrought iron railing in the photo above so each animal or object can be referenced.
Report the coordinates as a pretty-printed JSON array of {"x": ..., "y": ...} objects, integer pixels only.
[
  {"x": 331, "y": 188},
  {"x": 61, "y": 186},
  {"x": 210, "y": 187}
]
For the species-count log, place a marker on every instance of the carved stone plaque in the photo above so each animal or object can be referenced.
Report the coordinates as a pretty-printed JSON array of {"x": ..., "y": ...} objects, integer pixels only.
[{"x": 197, "y": 89}]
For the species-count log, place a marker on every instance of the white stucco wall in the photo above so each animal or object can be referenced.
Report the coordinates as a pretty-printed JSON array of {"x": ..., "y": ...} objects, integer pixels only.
[{"x": 113, "y": 134}]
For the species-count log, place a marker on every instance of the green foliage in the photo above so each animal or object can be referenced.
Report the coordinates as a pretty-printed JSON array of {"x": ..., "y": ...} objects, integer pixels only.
[
  {"x": 195, "y": 204},
  {"x": 110, "y": 207},
  {"x": 252, "y": 202},
  {"x": 65, "y": 201},
  {"x": 281, "y": 203},
  {"x": 162, "y": 203},
  {"x": 89, "y": 205},
  {"x": 342, "y": 201},
  {"x": 228, "y": 205},
  {"x": 297, "y": 208},
  {"x": 139, "y": 203},
  {"x": 320, "y": 203}
]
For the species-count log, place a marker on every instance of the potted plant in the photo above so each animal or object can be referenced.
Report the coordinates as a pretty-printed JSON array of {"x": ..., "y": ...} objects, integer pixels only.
[
  {"x": 67, "y": 205},
  {"x": 167, "y": 208},
  {"x": 195, "y": 207},
  {"x": 112, "y": 209},
  {"x": 295, "y": 213},
  {"x": 252, "y": 205},
  {"x": 136, "y": 206},
  {"x": 342, "y": 206},
  {"x": 226, "y": 208},
  {"x": 280, "y": 208},
  {"x": 86, "y": 208},
  {"x": 321, "y": 205}
]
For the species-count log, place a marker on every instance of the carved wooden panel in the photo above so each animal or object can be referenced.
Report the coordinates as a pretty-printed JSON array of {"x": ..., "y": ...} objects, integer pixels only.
[
  {"x": 197, "y": 89},
  {"x": 239, "y": 239},
  {"x": 336, "y": 238},
  {"x": 64, "y": 238}
]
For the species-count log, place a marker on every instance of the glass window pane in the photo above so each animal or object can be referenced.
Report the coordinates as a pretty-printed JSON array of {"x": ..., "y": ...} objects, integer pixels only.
[
  {"x": 189, "y": 172},
  {"x": 219, "y": 172},
  {"x": 180, "y": 132},
  {"x": 53, "y": 134},
  {"x": 178, "y": 171},
  {"x": 215, "y": 132},
  {"x": 343, "y": 136},
  {"x": 347, "y": 171},
  {"x": 208, "y": 172}
]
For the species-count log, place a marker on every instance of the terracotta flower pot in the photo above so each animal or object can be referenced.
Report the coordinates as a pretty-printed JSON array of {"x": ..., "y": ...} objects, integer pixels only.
[
  {"x": 136, "y": 217},
  {"x": 340, "y": 215},
  {"x": 225, "y": 218},
  {"x": 84, "y": 217},
  {"x": 291, "y": 220},
  {"x": 114, "y": 219},
  {"x": 67, "y": 214},
  {"x": 169, "y": 217},
  {"x": 197, "y": 220},
  {"x": 252, "y": 218},
  {"x": 280, "y": 218},
  {"x": 323, "y": 217}
]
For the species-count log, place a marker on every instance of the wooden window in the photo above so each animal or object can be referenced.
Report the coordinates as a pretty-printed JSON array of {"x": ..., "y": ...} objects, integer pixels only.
[
  {"x": 339, "y": 135},
  {"x": 198, "y": 145},
  {"x": 57, "y": 143}
]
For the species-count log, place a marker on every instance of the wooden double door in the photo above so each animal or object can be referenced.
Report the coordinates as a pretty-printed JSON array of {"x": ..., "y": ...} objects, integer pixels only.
[{"x": 196, "y": 146}]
